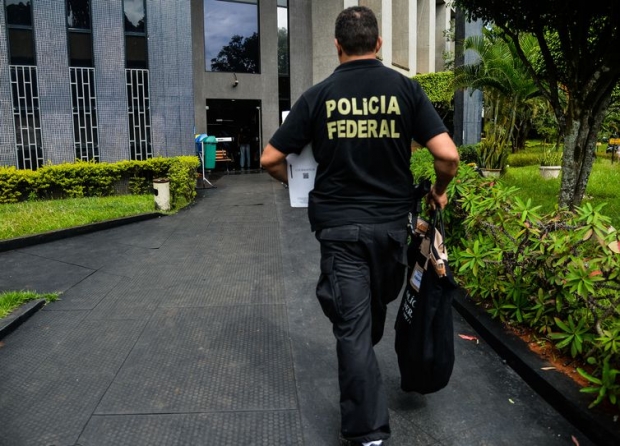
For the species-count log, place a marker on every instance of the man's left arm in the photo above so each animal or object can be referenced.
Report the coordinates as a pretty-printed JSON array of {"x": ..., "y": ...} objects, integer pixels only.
[
  {"x": 446, "y": 165},
  {"x": 274, "y": 162}
]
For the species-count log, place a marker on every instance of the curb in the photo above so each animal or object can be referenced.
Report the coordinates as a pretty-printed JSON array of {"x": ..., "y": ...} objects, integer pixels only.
[
  {"x": 30, "y": 240},
  {"x": 19, "y": 316},
  {"x": 561, "y": 392}
]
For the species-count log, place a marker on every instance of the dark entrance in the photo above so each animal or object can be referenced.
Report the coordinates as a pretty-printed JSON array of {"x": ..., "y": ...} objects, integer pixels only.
[{"x": 239, "y": 120}]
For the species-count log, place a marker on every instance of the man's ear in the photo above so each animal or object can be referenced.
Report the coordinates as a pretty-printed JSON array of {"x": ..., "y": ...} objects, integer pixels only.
[
  {"x": 338, "y": 47},
  {"x": 379, "y": 44}
]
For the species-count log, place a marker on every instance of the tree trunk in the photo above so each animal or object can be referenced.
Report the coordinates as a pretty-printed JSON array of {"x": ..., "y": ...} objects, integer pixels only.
[{"x": 582, "y": 129}]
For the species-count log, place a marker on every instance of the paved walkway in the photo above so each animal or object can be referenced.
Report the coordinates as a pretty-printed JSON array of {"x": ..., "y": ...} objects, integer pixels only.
[{"x": 202, "y": 329}]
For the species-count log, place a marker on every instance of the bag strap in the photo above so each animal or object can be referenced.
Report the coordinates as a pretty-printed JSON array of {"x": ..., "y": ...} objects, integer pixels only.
[{"x": 438, "y": 252}]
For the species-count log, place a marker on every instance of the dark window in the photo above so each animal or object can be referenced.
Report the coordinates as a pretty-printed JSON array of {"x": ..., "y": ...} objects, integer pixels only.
[
  {"x": 135, "y": 47},
  {"x": 80, "y": 49},
  {"x": 136, "y": 61},
  {"x": 78, "y": 14},
  {"x": 231, "y": 36},
  {"x": 19, "y": 32},
  {"x": 79, "y": 35},
  {"x": 21, "y": 46},
  {"x": 136, "y": 50},
  {"x": 284, "y": 81},
  {"x": 18, "y": 12}
]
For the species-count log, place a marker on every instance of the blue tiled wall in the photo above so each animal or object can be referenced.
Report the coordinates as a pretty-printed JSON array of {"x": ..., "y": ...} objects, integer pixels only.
[
  {"x": 8, "y": 155},
  {"x": 170, "y": 66},
  {"x": 53, "y": 80},
  {"x": 109, "y": 52},
  {"x": 171, "y": 83}
]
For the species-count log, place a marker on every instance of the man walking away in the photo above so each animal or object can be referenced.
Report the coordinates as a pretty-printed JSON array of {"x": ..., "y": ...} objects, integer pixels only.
[{"x": 361, "y": 121}]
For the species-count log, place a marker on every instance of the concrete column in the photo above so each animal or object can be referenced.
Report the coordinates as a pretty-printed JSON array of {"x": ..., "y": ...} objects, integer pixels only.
[
  {"x": 402, "y": 35},
  {"x": 442, "y": 23},
  {"x": 377, "y": 8},
  {"x": 426, "y": 36},
  {"x": 467, "y": 104},
  {"x": 300, "y": 47}
]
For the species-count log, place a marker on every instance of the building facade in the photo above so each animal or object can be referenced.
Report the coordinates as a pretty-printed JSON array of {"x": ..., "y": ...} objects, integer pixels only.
[{"x": 107, "y": 80}]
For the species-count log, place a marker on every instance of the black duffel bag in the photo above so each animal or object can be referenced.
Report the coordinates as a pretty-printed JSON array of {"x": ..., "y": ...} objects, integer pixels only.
[{"x": 424, "y": 331}]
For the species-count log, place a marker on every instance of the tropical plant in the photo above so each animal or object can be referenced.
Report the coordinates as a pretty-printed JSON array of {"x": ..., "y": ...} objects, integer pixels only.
[
  {"x": 578, "y": 56},
  {"x": 493, "y": 154},
  {"x": 508, "y": 87},
  {"x": 550, "y": 157}
]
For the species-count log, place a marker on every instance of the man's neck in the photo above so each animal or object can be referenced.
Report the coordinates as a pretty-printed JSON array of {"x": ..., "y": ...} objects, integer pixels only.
[{"x": 344, "y": 58}]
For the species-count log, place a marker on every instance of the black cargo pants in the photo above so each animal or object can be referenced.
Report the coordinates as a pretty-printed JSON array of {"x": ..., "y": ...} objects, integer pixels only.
[{"x": 362, "y": 270}]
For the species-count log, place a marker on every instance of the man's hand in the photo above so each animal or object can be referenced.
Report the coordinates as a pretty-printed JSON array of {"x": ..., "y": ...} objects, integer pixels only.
[{"x": 436, "y": 200}]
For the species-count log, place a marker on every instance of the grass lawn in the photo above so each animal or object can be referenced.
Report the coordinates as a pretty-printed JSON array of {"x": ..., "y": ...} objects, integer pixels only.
[
  {"x": 9, "y": 300},
  {"x": 603, "y": 187},
  {"x": 36, "y": 217}
]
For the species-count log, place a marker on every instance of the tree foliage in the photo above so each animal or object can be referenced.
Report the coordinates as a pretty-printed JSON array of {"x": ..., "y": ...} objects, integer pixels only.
[
  {"x": 241, "y": 55},
  {"x": 579, "y": 58},
  {"x": 283, "y": 52}
]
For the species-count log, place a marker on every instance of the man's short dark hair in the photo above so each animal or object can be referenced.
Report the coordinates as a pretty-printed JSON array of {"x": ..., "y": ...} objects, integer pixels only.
[{"x": 357, "y": 31}]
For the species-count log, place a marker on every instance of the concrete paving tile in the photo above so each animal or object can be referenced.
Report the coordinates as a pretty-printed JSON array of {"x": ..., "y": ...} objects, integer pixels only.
[
  {"x": 207, "y": 359},
  {"x": 50, "y": 410},
  {"x": 222, "y": 429},
  {"x": 22, "y": 271},
  {"x": 29, "y": 346},
  {"x": 129, "y": 302},
  {"x": 87, "y": 252},
  {"x": 86, "y": 294}
]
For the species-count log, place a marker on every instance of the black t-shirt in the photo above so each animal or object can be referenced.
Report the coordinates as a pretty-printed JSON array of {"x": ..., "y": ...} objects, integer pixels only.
[{"x": 360, "y": 121}]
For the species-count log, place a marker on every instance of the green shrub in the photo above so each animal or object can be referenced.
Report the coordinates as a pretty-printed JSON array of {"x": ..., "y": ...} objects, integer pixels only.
[
  {"x": 439, "y": 87},
  {"x": 89, "y": 179},
  {"x": 15, "y": 185},
  {"x": 558, "y": 273},
  {"x": 76, "y": 180},
  {"x": 469, "y": 153},
  {"x": 182, "y": 175}
]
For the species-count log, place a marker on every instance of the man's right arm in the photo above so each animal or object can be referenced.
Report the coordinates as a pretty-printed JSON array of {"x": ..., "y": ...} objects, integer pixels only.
[
  {"x": 446, "y": 165},
  {"x": 274, "y": 162}
]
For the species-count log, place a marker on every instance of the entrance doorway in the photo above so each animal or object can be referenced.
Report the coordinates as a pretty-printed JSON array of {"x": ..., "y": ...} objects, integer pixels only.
[{"x": 239, "y": 120}]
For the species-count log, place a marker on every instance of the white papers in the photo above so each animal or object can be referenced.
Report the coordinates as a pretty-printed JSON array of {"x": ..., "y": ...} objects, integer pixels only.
[{"x": 301, "y": 174}]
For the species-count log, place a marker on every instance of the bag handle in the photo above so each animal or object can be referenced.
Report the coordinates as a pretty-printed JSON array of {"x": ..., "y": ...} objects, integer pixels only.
[
  {"x": 437, "y": 221},
  {"x": 438, "y": 253}
]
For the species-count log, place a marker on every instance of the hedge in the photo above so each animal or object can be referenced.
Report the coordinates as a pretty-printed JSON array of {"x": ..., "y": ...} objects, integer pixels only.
[
  {"x": 90, "y": 179},
  {"x": 439, "y": 87}
]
